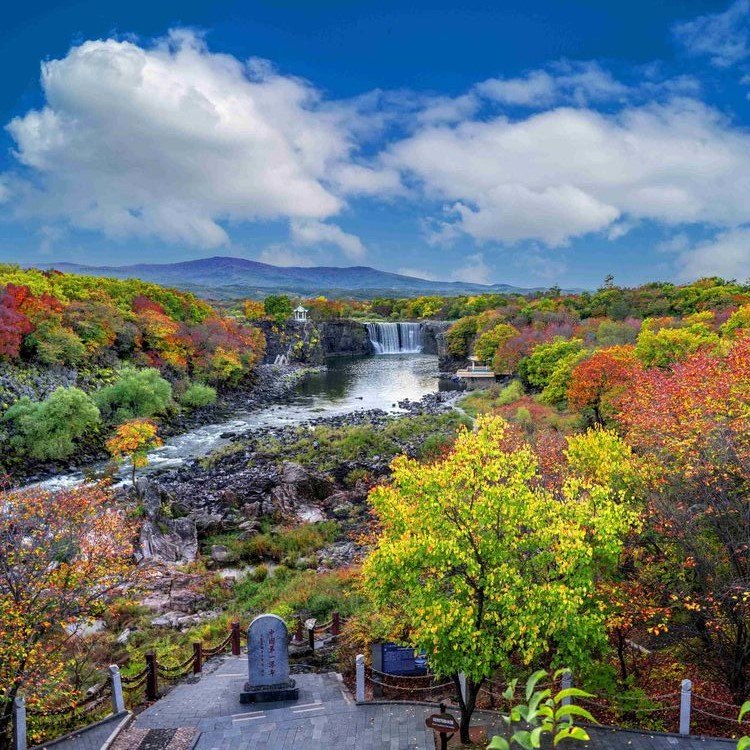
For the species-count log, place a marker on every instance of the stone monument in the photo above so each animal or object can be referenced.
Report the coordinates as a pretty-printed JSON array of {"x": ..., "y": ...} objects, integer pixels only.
[{"x": 268, "y": 662}]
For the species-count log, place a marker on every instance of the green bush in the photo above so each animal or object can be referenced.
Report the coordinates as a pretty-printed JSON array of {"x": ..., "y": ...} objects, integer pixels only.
[
  {"x": 48, "y": 429},
  {"x": 136, "y": 394},
  {"x": 198, "y": 394},
  {"x": 536, "y": 369}
]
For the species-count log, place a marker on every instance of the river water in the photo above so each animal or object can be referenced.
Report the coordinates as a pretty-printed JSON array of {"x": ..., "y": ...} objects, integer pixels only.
[{"x": 348, "y": 384}]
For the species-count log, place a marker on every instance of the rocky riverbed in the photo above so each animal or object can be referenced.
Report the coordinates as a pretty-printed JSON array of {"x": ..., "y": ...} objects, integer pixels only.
[{"x": 255, "y": 479}]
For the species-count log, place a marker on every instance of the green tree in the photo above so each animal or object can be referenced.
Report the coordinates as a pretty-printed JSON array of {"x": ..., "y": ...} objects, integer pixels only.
[
  {"x": 460, "y": 335},
  {"x": 48, "y": 429},
  {"x": 278, "y": 307},
  {"x": 137, "y": 393},
  {"x": 452, "y": 575},
  {"x": 486, "y": 345},
  {"x": 555, "y": 392},
  {"x": 662, "y": 347},
  {"x": 536, "y": 369}
]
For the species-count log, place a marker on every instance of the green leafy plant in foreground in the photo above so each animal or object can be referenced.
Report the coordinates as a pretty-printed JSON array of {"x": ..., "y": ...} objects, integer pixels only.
[
  {"x": 544, "y": 713},
  {"x": 743, "y": 742}
]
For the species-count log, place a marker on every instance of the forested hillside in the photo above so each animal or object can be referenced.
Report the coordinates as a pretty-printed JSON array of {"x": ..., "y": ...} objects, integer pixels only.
[{"x": 81, "y": 355}]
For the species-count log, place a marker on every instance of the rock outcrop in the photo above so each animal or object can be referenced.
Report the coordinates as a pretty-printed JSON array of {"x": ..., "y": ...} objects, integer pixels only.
[
  {"x": 344, "y": 337},
  {"x": 164, "y": 539}
]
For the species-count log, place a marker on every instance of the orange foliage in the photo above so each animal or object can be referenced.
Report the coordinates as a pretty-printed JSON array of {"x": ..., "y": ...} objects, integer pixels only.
[
  {"x": 63, "y": 553},
  {"x": 597, "y": 379}
]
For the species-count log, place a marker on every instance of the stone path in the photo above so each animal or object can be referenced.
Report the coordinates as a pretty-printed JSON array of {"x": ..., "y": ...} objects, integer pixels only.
[{"x": 326, "y": 718}]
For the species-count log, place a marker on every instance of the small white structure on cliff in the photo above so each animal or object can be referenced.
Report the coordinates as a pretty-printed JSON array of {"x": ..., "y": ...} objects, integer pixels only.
[{"x": 300, "y": 314}]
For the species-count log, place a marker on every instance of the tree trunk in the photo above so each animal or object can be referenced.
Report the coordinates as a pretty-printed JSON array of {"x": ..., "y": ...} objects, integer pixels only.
[
  {"x": 467, "y": 706},
  {"x": 621, "y": 655}
]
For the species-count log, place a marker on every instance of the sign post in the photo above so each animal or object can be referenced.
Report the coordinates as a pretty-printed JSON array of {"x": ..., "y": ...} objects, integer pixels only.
[{"x": 443, "y": 723}]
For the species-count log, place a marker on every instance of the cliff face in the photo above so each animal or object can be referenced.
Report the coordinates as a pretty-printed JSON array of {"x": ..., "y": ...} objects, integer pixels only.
[
  {"x": 344, "y": 337},
  {"x": 294, "y": 342}
]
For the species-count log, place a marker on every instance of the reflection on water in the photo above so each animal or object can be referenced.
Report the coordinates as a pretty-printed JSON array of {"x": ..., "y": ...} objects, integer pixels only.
[
  {"x": 352, "y": 383},
  {"x": 348, "y": 384}
]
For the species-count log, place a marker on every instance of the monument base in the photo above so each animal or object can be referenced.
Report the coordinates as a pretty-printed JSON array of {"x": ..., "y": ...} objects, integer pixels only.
[{"x": 285, "y": 691}]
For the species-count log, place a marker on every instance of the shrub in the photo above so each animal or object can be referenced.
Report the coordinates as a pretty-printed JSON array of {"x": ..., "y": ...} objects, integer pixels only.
[
  {"x": 198, "y": 394},
  {"x": 48, "y": 429},
  {"x": 137, "y": 394},
  {"x": 536, "y": 369}
]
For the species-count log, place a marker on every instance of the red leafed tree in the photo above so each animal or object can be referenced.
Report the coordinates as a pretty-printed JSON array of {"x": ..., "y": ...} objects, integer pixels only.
[
  {"x": 14, "y": 325},
  {"x": 61, "y": 555},
  {"x": 692, "y": 424},
  {"x": 596, "y": 380}
]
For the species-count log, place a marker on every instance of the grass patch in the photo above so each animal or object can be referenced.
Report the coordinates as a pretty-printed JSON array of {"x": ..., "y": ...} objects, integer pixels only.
[
  {"x": 489, "y": 399},
  {"x": 276, "y": 545},
  {"x": 288, "y": 592},
  {"x": 326, "y": 448}
]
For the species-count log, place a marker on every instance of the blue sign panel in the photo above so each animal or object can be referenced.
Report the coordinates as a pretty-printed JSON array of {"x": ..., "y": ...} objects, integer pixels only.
[{"x": 401, "y": 660}]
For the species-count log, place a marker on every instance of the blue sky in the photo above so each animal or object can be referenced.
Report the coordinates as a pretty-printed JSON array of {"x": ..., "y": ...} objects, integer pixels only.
[{"x": 523, "y": 142}]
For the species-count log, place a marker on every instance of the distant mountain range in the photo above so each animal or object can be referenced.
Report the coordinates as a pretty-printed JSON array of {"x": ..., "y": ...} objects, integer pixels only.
[{"x": 225, "y": 278}]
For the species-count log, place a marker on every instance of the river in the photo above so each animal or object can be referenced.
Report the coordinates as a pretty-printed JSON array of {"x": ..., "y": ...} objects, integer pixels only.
[{"x": 348, "y": 384}]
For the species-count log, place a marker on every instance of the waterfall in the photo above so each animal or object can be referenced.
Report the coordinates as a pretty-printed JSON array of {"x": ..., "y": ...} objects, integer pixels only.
[{"x": 395, "y": 338}]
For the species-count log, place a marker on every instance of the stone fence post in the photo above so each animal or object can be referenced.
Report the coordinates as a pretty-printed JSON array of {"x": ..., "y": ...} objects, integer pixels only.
[
  {"x": 686, "y": 694},
  {"x": 19, "y": 723},
  {"x": 360, "y": 690},
  {"x": 118, "y": 700}
]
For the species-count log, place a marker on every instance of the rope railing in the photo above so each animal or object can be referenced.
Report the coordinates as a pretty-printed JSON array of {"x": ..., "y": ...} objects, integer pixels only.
[{"x": 403, "y": 688}]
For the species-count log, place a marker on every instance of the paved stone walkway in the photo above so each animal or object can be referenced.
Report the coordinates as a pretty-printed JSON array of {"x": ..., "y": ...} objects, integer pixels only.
[{"x": 326, "y": 718}]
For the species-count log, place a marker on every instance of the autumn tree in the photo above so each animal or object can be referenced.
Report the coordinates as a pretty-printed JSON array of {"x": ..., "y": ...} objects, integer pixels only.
[
  {"x": 486, "y": 345},
  {"x": 133, "y": 440},
  {"x": 693, "y": 424},
  {"x": 62, "y": 554},
  {"x": 253, "y": 310},
  {"x": 451, "y": 573},
  {"x": 14, "y": 325},
  {"x": 595, "y": 381}
]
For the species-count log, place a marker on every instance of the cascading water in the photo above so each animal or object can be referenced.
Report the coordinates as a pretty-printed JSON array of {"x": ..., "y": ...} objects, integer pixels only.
[{"x": 396, "y": 338}]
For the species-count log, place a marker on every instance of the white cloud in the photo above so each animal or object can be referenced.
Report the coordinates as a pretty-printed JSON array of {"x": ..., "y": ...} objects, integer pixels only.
[
  {"x": 727, "y": 255},
  {"x": 475, "y": 271},
  {"x": 317, "y": 233},
  {"x": 723, "y": 37},
  {"x": 281, "y": 255},
  {"x": 579, "y": 83},
  {"x": 172, "y": 139},
  {"x": 566, "y": 172}
]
